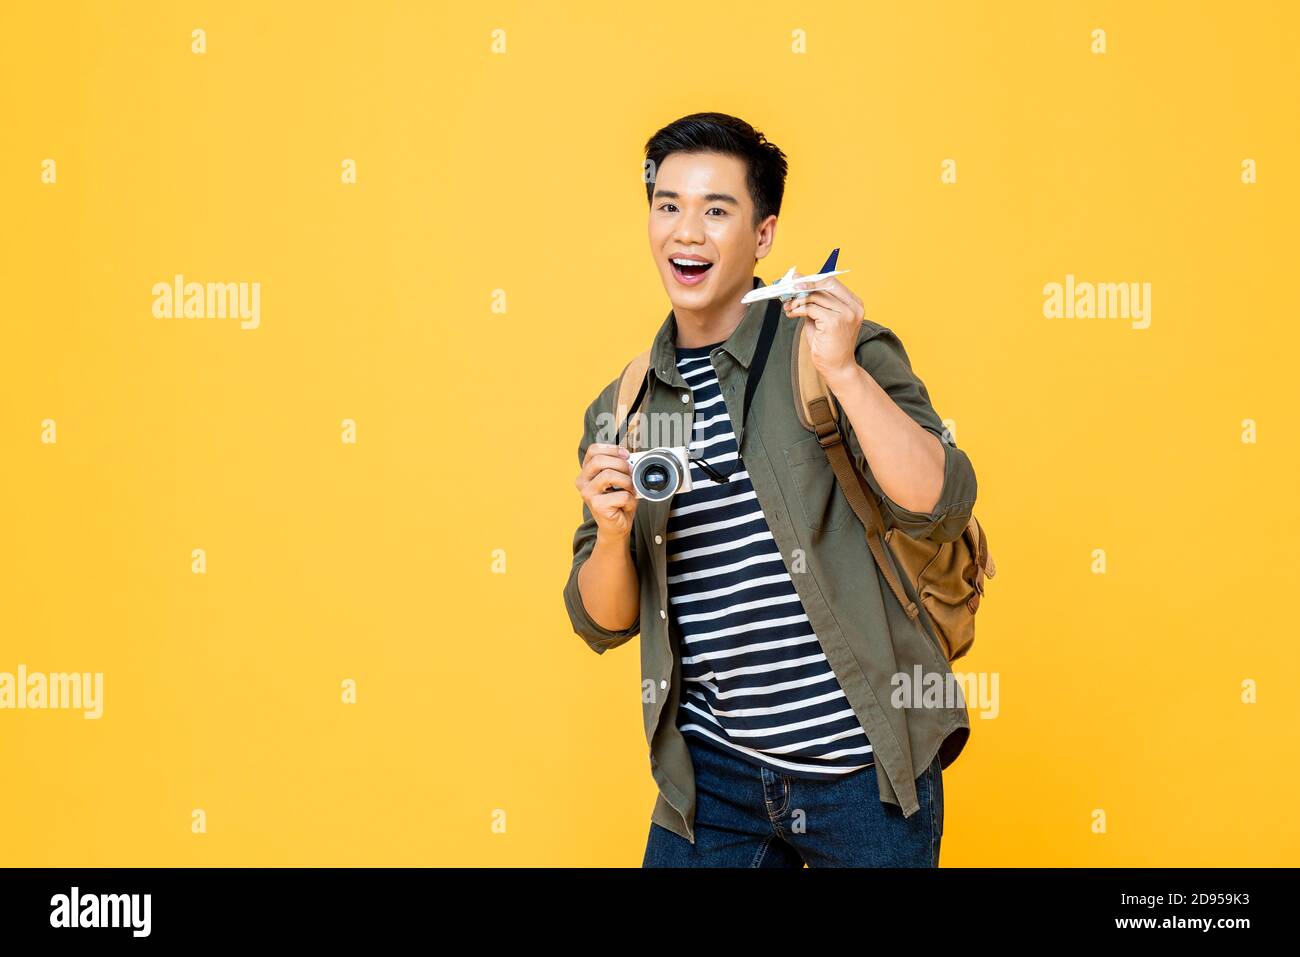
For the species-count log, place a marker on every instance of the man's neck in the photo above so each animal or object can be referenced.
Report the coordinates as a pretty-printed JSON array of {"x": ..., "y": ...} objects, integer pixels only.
[{"x": 705, "y": 328}]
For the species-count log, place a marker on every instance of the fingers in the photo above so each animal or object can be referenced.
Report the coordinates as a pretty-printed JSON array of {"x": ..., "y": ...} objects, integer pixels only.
[
  {"x": 603, "y": 448},
  {"x": 816, "y": 311},
  {"x": 621, "y": 500},
  {"x": 844, "y": 292},
  {"x": 831, "y": 296},
  {"x": 597, "y": 463},
  {"x": 832, "y": 289},
  {"x": 607, "y": 479},
  {"x": 833, "y": 304},
  {"x": 599, "y": 456}
]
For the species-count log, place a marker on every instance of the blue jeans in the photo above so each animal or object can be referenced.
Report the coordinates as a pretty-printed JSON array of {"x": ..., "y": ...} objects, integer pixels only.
[{"x": 751, "y": 816}]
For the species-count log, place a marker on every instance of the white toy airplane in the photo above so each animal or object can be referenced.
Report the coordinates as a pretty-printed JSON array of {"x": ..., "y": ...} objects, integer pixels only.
[{"x": 784, "y": 289}]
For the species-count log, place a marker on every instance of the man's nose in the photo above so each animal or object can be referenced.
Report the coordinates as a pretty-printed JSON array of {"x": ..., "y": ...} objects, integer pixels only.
[{"x": 688, "y": 230}]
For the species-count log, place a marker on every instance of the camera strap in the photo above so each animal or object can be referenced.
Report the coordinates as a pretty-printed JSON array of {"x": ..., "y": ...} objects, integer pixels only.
[
  {"x": 756, "y": 365},
  {"x": 765, "y": 337},
  {"x": 764, "y": 346}
]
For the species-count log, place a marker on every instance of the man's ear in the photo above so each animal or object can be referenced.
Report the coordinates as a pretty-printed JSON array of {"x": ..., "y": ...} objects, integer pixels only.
[{"x": 766, "y": 235}]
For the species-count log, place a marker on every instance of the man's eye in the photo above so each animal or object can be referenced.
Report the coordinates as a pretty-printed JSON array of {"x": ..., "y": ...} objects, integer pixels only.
[
  {"x": 719, "y": 209},
  {"x": 667, "y": 206}
]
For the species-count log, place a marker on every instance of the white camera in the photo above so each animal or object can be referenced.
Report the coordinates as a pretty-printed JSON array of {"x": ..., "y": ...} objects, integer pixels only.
[{"x": 659, "y": 474}]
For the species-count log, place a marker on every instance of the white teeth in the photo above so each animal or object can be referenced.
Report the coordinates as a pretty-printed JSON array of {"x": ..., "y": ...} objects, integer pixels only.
[{"x": 690, "y": 262}]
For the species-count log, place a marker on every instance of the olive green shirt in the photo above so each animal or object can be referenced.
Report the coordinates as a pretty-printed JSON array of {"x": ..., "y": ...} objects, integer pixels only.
[{"x": 864, "y": 631}]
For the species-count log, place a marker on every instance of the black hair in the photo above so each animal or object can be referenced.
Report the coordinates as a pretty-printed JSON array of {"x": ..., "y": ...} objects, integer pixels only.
[{"x": 720, "y": 133}]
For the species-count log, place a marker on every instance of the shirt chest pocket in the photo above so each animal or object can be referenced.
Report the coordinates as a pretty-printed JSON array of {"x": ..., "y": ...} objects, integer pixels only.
[{"x": 824, "y": 506}]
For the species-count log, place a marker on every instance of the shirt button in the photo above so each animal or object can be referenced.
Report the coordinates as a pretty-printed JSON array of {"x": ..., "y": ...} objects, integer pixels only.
[
  {"x": 662, "y": 613},
  {"x": 663, "y": 684},
  {"x": 659, "y": 539},
  {"x": 686, "y": 397}
]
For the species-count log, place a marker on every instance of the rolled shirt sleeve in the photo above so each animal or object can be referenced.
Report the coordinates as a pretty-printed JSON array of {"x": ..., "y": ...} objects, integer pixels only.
[
  {"x": 597, "y": 637},
  {"x": 881, "y": 353}
]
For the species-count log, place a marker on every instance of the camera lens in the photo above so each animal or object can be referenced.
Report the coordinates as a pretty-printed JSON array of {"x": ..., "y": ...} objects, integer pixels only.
[
  {"x": 655, "y": 478},
  {"x": 657, "y": 475}
]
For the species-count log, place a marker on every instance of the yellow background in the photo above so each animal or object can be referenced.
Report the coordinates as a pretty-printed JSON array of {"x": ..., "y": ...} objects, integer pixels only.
[{"x": 521, "y": 172}]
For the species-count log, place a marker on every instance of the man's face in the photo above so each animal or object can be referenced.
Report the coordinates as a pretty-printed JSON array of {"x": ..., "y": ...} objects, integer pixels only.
[{"x": 701, "y": 212}]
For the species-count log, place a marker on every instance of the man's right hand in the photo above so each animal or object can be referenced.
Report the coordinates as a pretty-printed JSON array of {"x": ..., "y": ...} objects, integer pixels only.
[{"x": 605, "y": 484}]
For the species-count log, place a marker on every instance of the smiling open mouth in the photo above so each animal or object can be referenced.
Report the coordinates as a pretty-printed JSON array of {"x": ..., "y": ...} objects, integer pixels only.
[{"x": 689, "y": 270}]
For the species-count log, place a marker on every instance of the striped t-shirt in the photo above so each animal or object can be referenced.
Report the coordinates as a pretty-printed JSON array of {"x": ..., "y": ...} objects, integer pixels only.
[{"x": 755, "y": 680}]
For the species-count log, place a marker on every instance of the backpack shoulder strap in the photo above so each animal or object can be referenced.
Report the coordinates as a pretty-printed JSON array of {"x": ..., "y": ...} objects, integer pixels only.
[
  {"x": 631, "y": 389},
  {"x": 807, "y": 381},
  {"x": 817, "y": 413}
]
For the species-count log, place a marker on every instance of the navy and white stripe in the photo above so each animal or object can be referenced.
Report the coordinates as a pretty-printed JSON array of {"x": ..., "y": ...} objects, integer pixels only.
[{"x": 755, "y": 680}]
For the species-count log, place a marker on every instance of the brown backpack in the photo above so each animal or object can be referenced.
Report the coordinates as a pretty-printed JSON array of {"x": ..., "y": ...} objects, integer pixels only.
[{"x": 947, "y": 577}]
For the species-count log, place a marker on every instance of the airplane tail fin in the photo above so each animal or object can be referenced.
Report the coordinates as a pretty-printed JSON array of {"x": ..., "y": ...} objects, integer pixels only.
[{"x": 830, "y": 263}]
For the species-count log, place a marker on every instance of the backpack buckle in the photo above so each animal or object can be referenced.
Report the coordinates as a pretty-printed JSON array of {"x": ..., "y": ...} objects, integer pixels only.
[{"x": 824, "y": 426}]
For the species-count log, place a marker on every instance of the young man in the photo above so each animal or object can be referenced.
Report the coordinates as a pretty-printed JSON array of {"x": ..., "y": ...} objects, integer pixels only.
[{"x": 772, "y": 650}]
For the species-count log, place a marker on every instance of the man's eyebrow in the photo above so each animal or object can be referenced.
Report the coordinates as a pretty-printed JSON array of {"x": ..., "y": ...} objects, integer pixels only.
[{"x": 708, "y": 197}]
